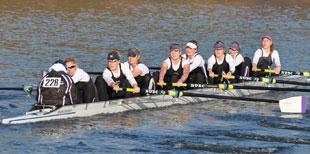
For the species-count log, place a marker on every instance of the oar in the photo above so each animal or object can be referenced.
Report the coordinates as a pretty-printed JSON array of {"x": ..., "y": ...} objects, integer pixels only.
[
  {"x": 265, "y": 80},
  {"x": 11, "y": 88},
  {"x": 27, "y": 88},
  {"x": 230, "y": 86},
  {"x": 100, "y": 73},
  {"x": 146, "y": 91},
  {"x": 95, "y": 73},
  {"x": 155, "y": 68},
  {"x": 190, "y": 85},
  {"x": 305, "y": 74},
  {"x": 295, "y": 104}
]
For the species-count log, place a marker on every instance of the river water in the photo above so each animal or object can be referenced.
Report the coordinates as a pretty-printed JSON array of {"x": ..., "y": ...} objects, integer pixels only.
[{"x": 33, "y": 34}]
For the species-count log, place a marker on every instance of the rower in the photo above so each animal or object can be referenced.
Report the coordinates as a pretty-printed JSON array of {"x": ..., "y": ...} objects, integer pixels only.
[
  {"x": 86, "y": 87},
  {"x": 197, "y": 64},
  {"x": 139, "y": 71},
  {"x": 114, "y": 77},
  {"x": 56, "y": 87},
  {"x": 174, "y": 69},
  {"x": 242, "y": 65},
  {"x": 265, "y": 56},
  {"x": 220, "y": 63}
]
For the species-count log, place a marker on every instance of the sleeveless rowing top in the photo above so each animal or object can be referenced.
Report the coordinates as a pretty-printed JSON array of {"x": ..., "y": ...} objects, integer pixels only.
[
  {"x": 263, "y": 61},
  {"x": 170, "y": 72},
  {"x": 219, "y": 69},
  {"x": 142, "y": 80},
  {"x": 121, "y": 76}
]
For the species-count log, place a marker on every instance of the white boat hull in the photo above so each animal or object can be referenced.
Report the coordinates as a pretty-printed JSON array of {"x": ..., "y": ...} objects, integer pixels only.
[{"x": 122, "y": 105}]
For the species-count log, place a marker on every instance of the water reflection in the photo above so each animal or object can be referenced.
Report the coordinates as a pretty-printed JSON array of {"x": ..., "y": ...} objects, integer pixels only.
[{"x": 35, "y": 33}]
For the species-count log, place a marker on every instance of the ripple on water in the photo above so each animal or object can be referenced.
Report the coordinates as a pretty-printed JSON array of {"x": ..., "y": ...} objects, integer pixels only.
[
  {"x": 256, "y": 137},
  {"x": 298, "y": 127},
  {"x": 217, "y": 148}
]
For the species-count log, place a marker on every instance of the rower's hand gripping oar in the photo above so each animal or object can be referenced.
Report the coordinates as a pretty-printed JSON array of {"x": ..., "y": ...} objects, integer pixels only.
[{"x": 151, "y": 91}]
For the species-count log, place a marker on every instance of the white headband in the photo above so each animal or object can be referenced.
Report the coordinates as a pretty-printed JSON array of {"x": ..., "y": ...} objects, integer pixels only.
[{"x": 191, "y": 45}]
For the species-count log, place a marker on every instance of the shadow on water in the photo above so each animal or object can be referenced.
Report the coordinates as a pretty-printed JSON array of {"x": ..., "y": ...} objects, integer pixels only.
[
  {"x": 285, "y": 125},
  {"x": 222, "y": 148}
]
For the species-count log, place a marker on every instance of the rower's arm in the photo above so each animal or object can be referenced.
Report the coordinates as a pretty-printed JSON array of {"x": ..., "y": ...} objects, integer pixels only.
[
  {"x": 107, "y": 77},
  {"x": 163, "y": 70},
  {"x": 231, "y": 64},
  {"x": 278, "y": 69},
  {"x": 185, "y": 72},
  {"x": 136, "y": 72}
]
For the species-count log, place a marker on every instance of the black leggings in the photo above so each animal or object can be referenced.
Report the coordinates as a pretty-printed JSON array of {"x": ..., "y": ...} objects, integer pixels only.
[
  {"x": 106, "y": 92},
  {"x": 87, "y": 91}
]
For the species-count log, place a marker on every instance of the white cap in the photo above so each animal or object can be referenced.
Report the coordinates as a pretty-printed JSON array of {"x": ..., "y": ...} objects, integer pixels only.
[
  {"x": 191, "y": 45},
  {"x": 58, "y": 67}
]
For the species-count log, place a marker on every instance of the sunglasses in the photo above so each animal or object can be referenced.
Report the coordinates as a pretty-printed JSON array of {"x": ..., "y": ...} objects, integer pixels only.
[{"x": 71, "y": 67}]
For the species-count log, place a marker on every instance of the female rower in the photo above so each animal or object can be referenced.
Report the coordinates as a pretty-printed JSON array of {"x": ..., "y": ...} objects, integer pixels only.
[
  {"x": 139, "y": 71},
  {"x": 86, "y": 87},
  {"x": 264, "y": 57},
  {"x": 242, "y": 65},
  {"x": 114, "y": 77},
  {"x": 220, "y": 63},
  {"x": 197, "y": 64},
  {"x": 174, "y": 69}
]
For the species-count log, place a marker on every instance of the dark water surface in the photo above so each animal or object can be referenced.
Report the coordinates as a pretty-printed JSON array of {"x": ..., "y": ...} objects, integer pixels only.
[{"x": 33, "y": 34}]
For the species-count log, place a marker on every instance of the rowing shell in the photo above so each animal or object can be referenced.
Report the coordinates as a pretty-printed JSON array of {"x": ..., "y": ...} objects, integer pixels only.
[{"x": 137, "y": 103}]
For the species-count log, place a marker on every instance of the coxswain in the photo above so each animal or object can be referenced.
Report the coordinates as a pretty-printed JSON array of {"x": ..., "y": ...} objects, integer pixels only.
[
  {"x": 86, "y": 88},
  {"x": 114, "y": 77},
  {"x": 197, "y": 68},
  {"x": 56, "y": 87},
  {"x": 139, "y": 71},
  {"x": 243, "y": 65},
  {"x": 174, "y": 69},
  {"x": 220, "y": 63},
  {"x": 265, "y": 56}
]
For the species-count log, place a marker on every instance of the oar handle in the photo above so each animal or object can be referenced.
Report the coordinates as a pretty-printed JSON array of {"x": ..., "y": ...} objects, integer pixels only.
[
  {"x": 224, "y": 76},
  {"x": 266, "y": 70},
  {"x": 126, "y": 89},
  {"x": 173, "y": 84}
]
